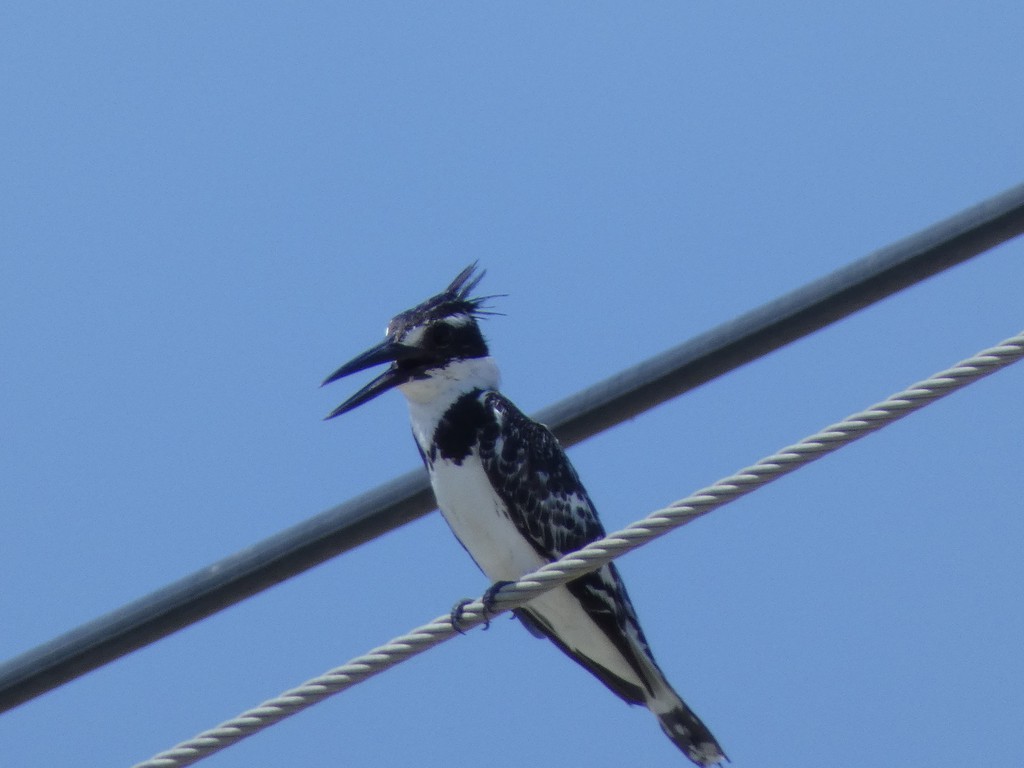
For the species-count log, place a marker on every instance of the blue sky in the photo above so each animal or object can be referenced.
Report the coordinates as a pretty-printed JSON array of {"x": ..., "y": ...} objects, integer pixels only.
[{"x": 208, "y": 207}]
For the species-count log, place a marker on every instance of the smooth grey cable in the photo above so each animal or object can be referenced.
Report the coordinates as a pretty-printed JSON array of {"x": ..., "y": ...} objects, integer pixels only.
[
  {"x": 596, "y": 554},
  {"x": 598, "y": 407}
]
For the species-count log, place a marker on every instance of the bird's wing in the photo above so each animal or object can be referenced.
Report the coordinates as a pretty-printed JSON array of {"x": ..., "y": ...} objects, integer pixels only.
[
  {"x": 533, "y": 476},
  {"x": 551, "y": 509}
]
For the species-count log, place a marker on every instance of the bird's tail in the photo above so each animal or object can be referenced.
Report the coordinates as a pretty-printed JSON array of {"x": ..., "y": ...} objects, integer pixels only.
[{"x": 685, "y": 730}]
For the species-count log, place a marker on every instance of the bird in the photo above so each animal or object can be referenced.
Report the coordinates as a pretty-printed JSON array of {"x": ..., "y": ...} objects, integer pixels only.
[{"x": 512, "y": 498}]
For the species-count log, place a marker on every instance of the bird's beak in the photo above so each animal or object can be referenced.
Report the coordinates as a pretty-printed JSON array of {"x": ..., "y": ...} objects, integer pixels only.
[{"x": 388, "y": 351}]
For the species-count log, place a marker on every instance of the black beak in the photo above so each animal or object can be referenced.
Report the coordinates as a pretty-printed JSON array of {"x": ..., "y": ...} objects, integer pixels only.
[{"x": 388, "y": 351}]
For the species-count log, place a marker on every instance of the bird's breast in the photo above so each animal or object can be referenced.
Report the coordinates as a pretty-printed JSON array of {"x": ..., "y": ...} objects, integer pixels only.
[{"x": 480, "y": 520}]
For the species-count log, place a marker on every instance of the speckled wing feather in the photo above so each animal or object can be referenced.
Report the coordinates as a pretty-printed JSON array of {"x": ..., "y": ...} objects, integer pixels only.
[
  {"x": 550, "y": 507},
  {"x": 531, "y": 473}
]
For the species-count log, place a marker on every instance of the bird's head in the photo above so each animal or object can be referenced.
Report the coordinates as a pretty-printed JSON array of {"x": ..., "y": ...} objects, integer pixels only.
[{"x": 424, "y": 341}]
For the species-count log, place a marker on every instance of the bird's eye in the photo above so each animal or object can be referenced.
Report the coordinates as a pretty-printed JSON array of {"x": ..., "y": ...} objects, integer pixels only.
[{"x": 441, "y": 335}]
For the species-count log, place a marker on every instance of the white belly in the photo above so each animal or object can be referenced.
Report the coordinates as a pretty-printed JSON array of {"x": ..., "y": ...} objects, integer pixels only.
[{"x": 477, "y": 518}]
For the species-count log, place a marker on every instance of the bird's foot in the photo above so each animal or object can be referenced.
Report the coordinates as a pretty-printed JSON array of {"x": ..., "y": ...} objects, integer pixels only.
[
  {"x": 489, "y": 598},
  {"x": 456, "y": 614}
]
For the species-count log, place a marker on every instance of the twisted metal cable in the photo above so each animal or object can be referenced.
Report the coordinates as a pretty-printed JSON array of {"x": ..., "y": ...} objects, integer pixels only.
[{"x": 594, "y": 555}]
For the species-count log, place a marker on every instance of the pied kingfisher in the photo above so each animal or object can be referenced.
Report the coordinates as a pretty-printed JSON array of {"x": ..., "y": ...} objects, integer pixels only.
[{"x": 510, "y": 495}]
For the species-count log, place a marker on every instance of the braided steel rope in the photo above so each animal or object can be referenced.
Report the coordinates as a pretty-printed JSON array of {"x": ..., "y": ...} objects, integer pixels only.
[{"x": 596, "y": 554}]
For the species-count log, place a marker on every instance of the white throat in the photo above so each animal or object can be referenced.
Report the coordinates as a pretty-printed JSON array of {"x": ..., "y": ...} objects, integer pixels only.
[{"x": 431, "y": 397}]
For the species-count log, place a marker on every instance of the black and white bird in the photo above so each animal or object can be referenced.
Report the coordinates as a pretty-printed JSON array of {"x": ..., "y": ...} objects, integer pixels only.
[{"x": 510, "y": 495}]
